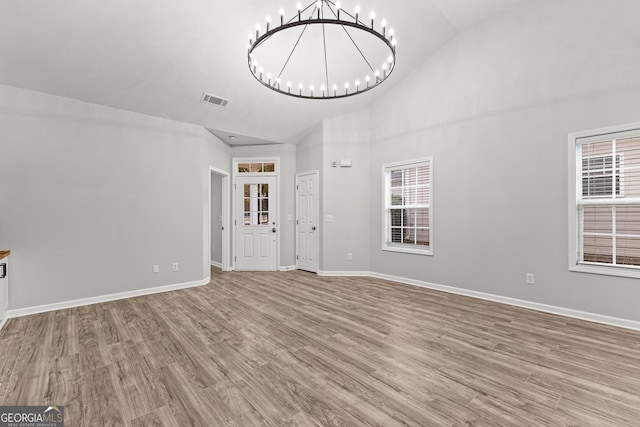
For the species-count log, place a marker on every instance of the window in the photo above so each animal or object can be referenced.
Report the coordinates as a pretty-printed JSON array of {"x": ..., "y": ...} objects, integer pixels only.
[
  {"x": 258, "y": 167},
  {"x": 605, "y": 169},
  {"x": 598, "y": 175},
  {"x": 407, "y": 206},
  {"x": 256, "y": 204}
]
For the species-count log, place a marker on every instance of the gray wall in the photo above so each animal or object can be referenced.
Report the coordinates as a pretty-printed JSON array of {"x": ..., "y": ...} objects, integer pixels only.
[
  {"x": 346, "y": 193},
  {"x": 216, "y": 213},
  {"x": 286, "y": 223},
  {"x": 309, "y": 151},
  {"x": 494, "y": 108},
  {"x": 91, "y": 197}
]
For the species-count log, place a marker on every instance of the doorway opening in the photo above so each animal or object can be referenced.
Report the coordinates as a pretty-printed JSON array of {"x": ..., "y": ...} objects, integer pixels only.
[{"x": 218, "y": 236}]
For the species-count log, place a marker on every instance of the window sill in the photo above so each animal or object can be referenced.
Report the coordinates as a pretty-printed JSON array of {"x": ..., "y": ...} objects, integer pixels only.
[
  {"x": 428, "y": 252},
  {"x": 606, "y": 270}
]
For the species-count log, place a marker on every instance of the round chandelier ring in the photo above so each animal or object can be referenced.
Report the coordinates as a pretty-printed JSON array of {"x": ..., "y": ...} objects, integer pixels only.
[{"x": 325, "y": 92}]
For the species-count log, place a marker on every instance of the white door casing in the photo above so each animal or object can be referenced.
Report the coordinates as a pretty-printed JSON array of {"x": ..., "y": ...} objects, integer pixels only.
[
  {"x": 256, "y": 224},
  {"x": 307, "y": 233}
]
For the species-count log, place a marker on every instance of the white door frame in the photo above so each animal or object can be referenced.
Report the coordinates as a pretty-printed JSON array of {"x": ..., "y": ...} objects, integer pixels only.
[
  {"x": 317, "y": 216},
  {"x": 225, "y": 219},
  {"x": 279, "y": 222}
]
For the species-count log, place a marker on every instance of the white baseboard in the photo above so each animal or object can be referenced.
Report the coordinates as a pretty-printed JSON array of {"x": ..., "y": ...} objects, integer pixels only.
[
  {"x": 216, "y": 264},
  {"x": 567, "y": 312},
  {"x": 2, "y": 322},
  {"x": 287, "y": 268},
  {"x": 345, "y": 273},
  {"x": 104, "y": 298}
]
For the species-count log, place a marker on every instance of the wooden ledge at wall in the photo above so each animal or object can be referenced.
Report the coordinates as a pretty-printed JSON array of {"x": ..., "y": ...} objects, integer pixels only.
[{"x": 4, "y": 254}]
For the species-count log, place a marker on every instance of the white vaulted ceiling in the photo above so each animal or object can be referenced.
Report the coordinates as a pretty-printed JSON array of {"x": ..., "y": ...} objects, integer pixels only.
[{"x": 157, "y": 57}]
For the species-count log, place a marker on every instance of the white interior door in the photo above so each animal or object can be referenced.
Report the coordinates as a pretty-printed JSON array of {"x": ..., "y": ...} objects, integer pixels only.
[
  {"x": 307, "y": 243},
  {"x": 256, "y": 223}
]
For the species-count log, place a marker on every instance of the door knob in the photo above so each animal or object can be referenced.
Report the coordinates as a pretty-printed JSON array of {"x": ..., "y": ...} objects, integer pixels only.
[
  {"x": 273, "y": 230},
  {"x": 313, "y": 228}
]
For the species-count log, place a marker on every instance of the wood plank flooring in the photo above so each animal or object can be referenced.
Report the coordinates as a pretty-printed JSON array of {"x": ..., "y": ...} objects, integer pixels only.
[{"x": 295, "y": 349}]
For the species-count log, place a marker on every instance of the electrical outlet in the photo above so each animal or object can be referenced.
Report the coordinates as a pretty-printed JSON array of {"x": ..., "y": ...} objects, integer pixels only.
[
  {"x": 349, "y": 256},
  {"x": 175, "y": 266},
  {"x": 531, "y": 279},
  {"x": 156, "y": 268}
]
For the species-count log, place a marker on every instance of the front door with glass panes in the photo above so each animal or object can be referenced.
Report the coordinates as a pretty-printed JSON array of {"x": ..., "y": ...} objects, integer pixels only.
[{"x": 256, "y": 225}]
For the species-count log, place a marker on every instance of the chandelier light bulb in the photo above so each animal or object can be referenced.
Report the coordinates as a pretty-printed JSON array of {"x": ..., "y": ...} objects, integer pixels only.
[
  {"x": 257, "y": 27},
  {"x": 391, "y": 32},
  {"x": 372, "y": 15},
  {"x": 390, "y": 59},
  {"x": 384, "y": 23},
  {"x": 319, "y": 4},
  {"x": 346, "y": 85},
  {"x": 394, "y": 42},
  {"x": 281, "y": 11},
  {"x": 357, "y": 84},
  {"x": 357, "y": 12},
  {"x": 299, "y": 6},
  {"x": 338, "y": 5},
  {"x": 300, "y": 86},
  {"x": 366, "y": 79},
  {"x": 268, "y": 19},
  {"x": 250, "y": 36},
  {"x": 385, "y": 66}
]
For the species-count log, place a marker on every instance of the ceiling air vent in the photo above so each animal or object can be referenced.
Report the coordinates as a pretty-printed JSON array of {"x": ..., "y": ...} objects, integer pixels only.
[{"x": 215, "y": 100}]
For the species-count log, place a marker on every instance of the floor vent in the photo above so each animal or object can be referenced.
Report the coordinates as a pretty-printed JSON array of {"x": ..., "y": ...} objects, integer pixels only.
[{"x": 215, "y": 100}]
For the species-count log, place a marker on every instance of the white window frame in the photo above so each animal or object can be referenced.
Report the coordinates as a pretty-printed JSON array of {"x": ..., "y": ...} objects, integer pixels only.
[
  {"x": 399, "y": 247},
  {"x": 575, "y": 187}
]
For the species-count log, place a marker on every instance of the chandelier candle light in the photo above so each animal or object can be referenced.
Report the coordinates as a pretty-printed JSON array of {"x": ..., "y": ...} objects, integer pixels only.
[{"x": 333, "y": 21}]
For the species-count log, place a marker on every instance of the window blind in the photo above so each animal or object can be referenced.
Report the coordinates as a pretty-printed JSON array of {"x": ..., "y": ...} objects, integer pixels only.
[
  {"x": 608, "y": 199},
  {"x": 408, "y": 205}
]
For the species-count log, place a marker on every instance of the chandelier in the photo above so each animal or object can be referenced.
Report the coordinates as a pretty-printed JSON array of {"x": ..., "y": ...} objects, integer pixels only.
[{"x": 322, "y": 52}]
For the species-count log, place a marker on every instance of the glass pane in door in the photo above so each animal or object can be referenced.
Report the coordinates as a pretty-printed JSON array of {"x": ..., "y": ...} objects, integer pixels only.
[{"x": 256, "y": 204}]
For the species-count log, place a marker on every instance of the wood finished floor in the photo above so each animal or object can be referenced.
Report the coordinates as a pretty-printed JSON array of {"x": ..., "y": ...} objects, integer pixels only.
[{"x": 294, "y": 349}]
